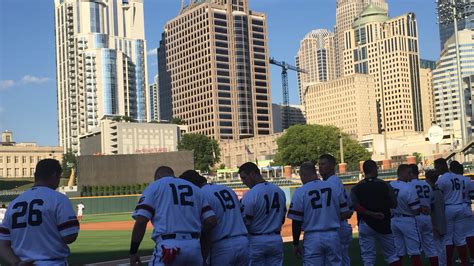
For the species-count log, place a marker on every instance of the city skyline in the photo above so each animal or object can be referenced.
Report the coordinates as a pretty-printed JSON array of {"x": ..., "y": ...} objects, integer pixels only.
[{"x": 17, "y": 79}]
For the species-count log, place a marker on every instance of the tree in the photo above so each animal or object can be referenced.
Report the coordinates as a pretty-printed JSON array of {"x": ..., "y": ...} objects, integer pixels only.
[
  {"x": 418, "y": 156},
  {"x": 301, "y": 143},
  {"x": 69, "y": 162},
  {"x": 177, "y": 121},
  {"x": 206, "y": 150}
]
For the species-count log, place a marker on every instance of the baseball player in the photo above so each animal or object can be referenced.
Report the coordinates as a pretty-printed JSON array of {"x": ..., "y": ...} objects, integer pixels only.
[
  {"x": 318, "y": 208},
  {"x": 229, "y": 238},
  {"x": 423, "y": 221},
  {"x": 80, "y": 209},
  {"x": 3, "y": 210},
  {"x": 178, "y": 211},
  {"x": 451, "y": 186},
  {"x": 456, "y": 168},
  {"x": 264, "y": 209},
  {"x": 40, "y": 223},
  {"x": 438, "y": 216},
  {"x": 407, "y": 239},
  {"x": 373, "y": 199},
  {"x": 327, "y": 170}
]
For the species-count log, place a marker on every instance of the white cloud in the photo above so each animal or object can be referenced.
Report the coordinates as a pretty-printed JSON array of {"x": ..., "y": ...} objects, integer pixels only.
[
  {"x": 6, "y": 84},
  {"x": 28, "y": 79},
  {"x": 152, "y": 52}
]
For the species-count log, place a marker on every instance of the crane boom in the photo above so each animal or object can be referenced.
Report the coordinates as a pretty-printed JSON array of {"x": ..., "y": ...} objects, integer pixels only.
[{"x": 284, "y": 79}]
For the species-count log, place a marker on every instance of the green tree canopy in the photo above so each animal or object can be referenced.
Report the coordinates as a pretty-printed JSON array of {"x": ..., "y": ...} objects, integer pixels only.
[
  {"x": 206, "y": 150},
  {"x": 69, "y": 162},
  {"x": 177, "y": 121},
  {"x": 307, "y": 142}
]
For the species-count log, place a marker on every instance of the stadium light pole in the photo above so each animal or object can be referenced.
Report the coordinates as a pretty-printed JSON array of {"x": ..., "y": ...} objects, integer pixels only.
[{"x": 450, "y": 11}]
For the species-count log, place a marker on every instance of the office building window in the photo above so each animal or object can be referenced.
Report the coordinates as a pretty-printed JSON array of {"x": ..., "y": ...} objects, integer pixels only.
[
  {"x": 8, "y": 160},
  {"x": 16, "y": 159},
  {"x": 23, "y": 159}
]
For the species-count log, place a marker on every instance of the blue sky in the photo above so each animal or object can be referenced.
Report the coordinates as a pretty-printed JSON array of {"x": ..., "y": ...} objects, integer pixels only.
[{"x": 27, "y": 51}]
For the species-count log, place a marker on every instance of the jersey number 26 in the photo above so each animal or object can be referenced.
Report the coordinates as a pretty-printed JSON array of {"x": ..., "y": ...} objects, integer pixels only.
[{"x": 35, "y": 217}]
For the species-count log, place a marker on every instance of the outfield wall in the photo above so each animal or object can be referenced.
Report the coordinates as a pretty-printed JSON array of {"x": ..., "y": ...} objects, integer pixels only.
[
  {"x": 107, "y": 204},
  {"x": 127, "y": 203}
]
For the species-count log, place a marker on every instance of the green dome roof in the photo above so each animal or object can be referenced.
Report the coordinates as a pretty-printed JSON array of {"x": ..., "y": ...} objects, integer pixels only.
[{"x": 370, "y": 15}]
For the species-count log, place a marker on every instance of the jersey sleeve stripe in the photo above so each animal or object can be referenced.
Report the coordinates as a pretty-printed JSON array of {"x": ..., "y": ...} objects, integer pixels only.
[
  {"x": 206, "y": 209},
  {"x": 145, "y": 207},
  {"x": 4, "y": 231},
  {"x": 68, "y": 224},
  {"x": 295, "y": 213},
  {"x": 414, "y": 203}
]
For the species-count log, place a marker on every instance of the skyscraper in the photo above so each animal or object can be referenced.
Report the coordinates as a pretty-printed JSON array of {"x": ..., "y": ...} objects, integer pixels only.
[
  {"x": 446, "y": 30},
  {"x": 346, "y": 12},
  {"x": 154, "y": 100},
  {"x": 387, "y": 49},
  {"x": 214, "y": 70},
  {"x": 100, "y": 64},
  {"x": 445, "y": 84},
  {"x": 316, "y": 56},
  {"x": 427, "y": 95}
]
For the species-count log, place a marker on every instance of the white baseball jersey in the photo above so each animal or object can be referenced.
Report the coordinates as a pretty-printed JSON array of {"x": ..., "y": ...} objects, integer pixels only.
[
  {"x": 407, "y": 198},
  {"x": 336, "y": 181},
  {"x": 318, "y": 204},
  {"x": 36, "y": 222},
  {"x": 470, "y": 193},
  {"x": 424, "y": 192},
  {"x": 226, "y": 205},
  {"x": 174, "y": 206},
  {"x": 80, "y": 208},
  {"x": 2, "y": 214},
  {"x": 264, "y": 208},
  {"x": 452, "y": 187}
]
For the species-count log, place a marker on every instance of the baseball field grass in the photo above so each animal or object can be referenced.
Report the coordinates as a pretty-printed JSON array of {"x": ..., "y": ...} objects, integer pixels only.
[{"x": 106, "y": 245}]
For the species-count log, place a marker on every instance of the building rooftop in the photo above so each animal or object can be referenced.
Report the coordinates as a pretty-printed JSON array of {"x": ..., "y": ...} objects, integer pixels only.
[{"x": 371, "y": 14}]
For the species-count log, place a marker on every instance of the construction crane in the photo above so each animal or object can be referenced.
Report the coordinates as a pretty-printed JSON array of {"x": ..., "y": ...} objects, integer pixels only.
[{"x": 284, "y": 78}]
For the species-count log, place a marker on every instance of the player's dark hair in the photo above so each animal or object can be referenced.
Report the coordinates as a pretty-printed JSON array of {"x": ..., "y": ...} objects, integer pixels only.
[
  {"x": 3, "y": 206},
  {"x": 47, "y": 167},
  {"x": 441, "y": 166},
  {"x": 329, "y": 158},
  {"x": 431, "y": 175},
  {"x": 307, "y": 169},
  {"x": 248, "y": 168},
  {"x": 194, "y": 177},
  {"x": 456, "y": 168},
  {"x": 414, "y": 169},
  {"x": 369, "y": 166},
  {"x": 163, "y": 171},
  {"x": 402, "y": 167}
]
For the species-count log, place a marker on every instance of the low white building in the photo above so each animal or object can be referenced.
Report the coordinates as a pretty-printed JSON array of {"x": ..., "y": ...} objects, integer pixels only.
[{"x": 113, "y": 137}]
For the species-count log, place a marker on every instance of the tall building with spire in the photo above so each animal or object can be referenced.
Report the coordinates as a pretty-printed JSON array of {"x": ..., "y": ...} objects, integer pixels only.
[
  {"x": 346, "y": 12},
  {"x": 387, "y": 49},
  {"x": 214, "y": 70},
  {"x": 100, "y": 64},
  {"x": 316, "y": 57}
]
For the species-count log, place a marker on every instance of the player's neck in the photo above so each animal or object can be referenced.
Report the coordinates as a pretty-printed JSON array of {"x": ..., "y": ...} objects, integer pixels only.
[
  {"x": 326, "y": 177},
  {"x": 43, "y": 184}
]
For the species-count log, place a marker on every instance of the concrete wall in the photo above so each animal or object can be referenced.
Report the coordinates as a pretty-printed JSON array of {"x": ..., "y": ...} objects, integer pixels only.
[
  {"x": 91, "y": 144},
  {"x": 129, "y": 169}
]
